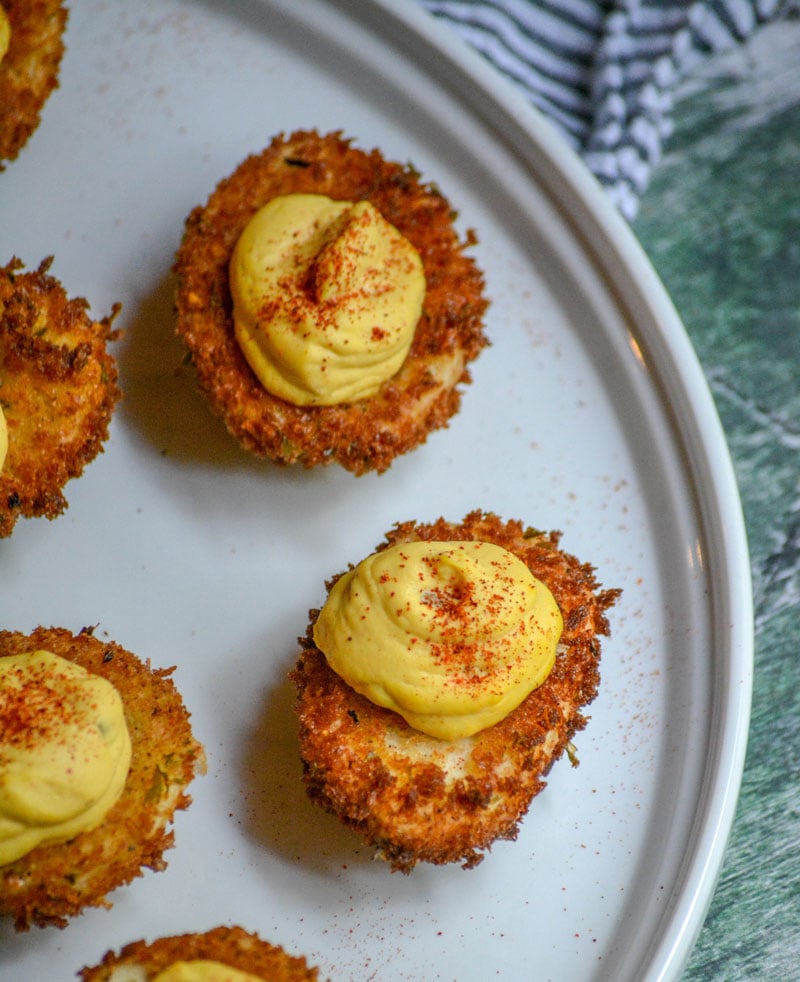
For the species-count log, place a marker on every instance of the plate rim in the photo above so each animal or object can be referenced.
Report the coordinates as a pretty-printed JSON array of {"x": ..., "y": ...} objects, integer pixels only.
[{"x": 579, "y": 194}]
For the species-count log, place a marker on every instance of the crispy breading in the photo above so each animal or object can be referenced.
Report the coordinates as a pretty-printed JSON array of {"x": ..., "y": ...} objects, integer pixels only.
[
  {"x": 56, "y": 881},
  {"x": 422, "y": 396},
  {"x": 29, "y": 70},
  {"x": 416, "y": 798},
  {"x": 232, "y": 946},
  {"x": 58, "y": 390}
]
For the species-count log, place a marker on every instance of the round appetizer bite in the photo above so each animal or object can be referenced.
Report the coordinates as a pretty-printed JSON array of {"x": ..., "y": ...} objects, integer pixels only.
[
  {"x": 328, "y": 303},
  {"x": 442, "y": 679},
  {"x": 224, "y": 954},
  {"x": 31, "y": 48},
  {"x": 58, "y": 389},
  {"x": 96, "y": 752}
]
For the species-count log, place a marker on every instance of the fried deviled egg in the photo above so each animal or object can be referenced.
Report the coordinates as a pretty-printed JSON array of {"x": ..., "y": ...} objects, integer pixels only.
[
  {"x": 31, "y": 49},
  {"x": 224, "y": 954},
  {"x": 58, "y": 391},
  {"x": 441, "y": 681},
  {"x": 96, "y": 752},
  {"x": 329, "y": 305}
]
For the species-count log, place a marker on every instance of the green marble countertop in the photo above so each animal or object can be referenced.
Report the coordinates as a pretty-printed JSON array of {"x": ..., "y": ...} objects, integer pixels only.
[{"x": 721, "y": 223}]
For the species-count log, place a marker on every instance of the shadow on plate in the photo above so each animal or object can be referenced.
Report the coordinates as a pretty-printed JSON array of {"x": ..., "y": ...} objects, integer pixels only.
[
  {"x": 278, "y": 813},
  {"x": 161, "y": 398}
]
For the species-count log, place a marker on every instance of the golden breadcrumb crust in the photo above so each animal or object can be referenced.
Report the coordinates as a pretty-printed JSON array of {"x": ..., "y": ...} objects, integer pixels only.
[
  {"x": 54, "y": 882},
  {"x": 229, "y": 945},
  {"x": 58, "y": 390},
  {"x": 414, "y": 797},
  {"x": 29, "y": 70},
  {"x": 422, "y": 396}
]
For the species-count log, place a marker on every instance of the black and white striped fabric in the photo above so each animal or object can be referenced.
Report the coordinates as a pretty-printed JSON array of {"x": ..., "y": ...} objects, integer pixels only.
[{"x": 605, "y": 71}]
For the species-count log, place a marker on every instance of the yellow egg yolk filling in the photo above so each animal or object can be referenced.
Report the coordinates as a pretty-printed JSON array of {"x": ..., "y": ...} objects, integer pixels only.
[
  {"x": 326, "y": 298},
  {"x": 203, "y": 970},
  {"x": 450, "y": 635},
  {"x": 65, "y": 751},
  {"x": 5, "y": 32},
  {"x": 3, "y": 438}
]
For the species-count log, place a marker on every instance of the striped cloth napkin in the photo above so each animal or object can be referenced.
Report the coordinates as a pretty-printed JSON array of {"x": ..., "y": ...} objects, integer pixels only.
[{"x": 605, "y": 71}]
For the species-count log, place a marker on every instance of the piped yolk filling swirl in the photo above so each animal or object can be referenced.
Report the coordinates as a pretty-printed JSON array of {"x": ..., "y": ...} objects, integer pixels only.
[{"x": 450, "y": 635}]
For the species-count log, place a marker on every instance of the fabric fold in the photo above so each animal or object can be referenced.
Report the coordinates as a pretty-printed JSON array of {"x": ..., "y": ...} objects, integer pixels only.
[{"x": 605, "y": 72}]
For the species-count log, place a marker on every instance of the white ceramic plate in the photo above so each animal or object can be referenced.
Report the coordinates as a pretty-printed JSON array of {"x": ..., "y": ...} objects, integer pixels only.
[{"x": 588, "y": 414}]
